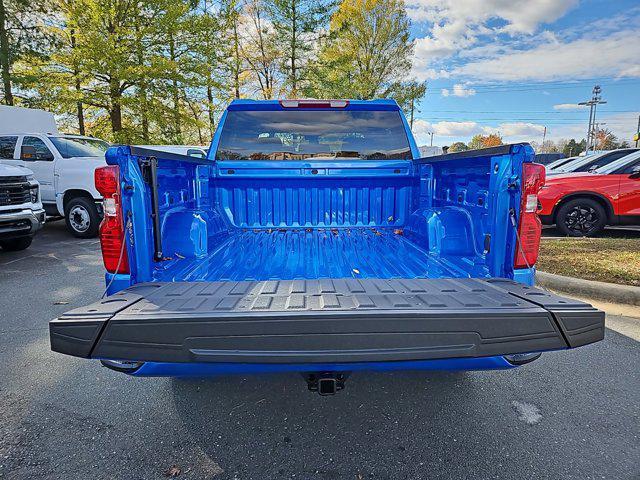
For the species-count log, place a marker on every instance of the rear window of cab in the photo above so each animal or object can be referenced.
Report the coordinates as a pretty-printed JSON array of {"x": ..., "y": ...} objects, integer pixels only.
[{"x": 313, "y": 134}]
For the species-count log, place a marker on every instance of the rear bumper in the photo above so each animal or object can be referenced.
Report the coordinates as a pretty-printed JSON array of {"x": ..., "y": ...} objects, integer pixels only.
[
  {"x": 20, "y": 223},
  {"x": 363, "y": 321},
  {"x": 160, "y": 369}
]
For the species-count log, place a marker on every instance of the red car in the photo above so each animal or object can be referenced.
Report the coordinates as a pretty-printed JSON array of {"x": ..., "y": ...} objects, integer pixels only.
[{"x": 581, "y": 204}]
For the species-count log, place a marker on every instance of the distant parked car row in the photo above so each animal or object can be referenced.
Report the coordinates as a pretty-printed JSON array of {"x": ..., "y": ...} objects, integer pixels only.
[
  {"x": 582, "y": 195},
  {"x": 587, "y": 163}
]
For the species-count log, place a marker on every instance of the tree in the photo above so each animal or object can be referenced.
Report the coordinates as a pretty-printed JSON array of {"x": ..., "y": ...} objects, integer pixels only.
[
  {"x": 458, "y": 147},
  {"x": 573, "y": 148},
  {"x": 259, "y": 49},
  {"x": 21, "y": 36},
  {"x": 298, "y": 27},
  {"x": 408, "y": 94},
  {"x": 367, "y": 53},
  {"x": 606, "y": 140},
  {"x": 485, "y": 141}
]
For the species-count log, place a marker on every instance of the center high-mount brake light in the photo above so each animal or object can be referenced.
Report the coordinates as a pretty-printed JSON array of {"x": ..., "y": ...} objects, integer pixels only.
[
  {"x": 530, "y": 226},
  {"x": 114, "y": 253},
  {"x": 314, "y": 103}
]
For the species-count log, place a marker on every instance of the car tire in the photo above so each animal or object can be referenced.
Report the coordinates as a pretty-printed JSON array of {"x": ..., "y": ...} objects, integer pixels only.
[
  {"x": 16, "y": 244},
  {"x": 581, "y": 217},
  {"x": 82, "y": 217}
]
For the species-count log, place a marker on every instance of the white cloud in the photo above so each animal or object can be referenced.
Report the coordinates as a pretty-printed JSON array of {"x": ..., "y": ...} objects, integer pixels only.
[
  {"x": 516, "y": 132},
  {"x": 420, "y": 73},
  {"x": 568, "y": 106},
  {"x": 520, "y": 16},
  {"x": 446, "y": 132},
  {"x": 457, "y": 25},
  {"x": 458, "y": 90},
  {"x": 562, "y": 59},
  {"x": 421, "y": 128},
  {"x": 622, "y": 125}
]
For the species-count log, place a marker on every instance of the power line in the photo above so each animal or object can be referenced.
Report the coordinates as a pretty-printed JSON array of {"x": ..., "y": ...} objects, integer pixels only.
[
  {"x": 553, "y": 82},
  {"x": 504, "y": 89}
]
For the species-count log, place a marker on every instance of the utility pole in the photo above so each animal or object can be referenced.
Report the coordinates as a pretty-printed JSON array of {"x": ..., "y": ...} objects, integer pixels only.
[
  {"x": 638, "y": 131},
  {"x": 544, "y": 135},
  {"x": 596, "y": 100},
  {"x": 431, "y": 134}
]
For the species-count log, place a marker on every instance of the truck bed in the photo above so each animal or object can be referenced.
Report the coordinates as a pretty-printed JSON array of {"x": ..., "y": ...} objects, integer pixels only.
[{"x": 264, "y": 254}]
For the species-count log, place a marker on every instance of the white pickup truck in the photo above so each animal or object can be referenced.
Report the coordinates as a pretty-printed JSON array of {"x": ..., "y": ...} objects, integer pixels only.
[
  {"x": 64, "y": 166},
  {"x": 21, "y": 212}
]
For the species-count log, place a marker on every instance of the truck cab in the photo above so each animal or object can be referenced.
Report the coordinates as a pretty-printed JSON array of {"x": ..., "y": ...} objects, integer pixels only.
[
  {"x": 315, "y": 238},
  {"x": 64, "y": 166}
]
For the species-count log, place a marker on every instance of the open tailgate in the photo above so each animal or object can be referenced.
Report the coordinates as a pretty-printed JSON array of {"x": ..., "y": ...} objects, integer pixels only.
[{"x": 325, "y": 320}]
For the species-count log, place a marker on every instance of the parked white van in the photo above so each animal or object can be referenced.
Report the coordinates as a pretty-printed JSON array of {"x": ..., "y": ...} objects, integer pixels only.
[{"x": 64, "y": 166}]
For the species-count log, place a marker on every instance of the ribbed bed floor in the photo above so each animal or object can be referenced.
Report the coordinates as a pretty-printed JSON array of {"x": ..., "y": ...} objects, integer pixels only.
[{"x": 318, "y": 253}]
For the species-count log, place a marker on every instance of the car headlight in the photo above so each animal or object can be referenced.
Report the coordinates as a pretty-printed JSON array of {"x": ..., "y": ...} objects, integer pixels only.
[
  {"x": 30, "y": 178},
  {"x": 34, "y": 194}
]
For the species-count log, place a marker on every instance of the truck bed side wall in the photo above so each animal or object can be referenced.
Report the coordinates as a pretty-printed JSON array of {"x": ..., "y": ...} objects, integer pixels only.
[{"x": 455, "y": 207}]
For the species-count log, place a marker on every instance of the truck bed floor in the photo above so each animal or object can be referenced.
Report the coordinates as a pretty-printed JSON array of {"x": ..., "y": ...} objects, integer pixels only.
[{"x": 319, "y": 253}]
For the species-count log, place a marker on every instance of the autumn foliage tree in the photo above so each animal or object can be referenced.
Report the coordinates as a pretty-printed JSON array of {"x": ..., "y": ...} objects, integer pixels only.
[
  {"x": 161, "y": 71},
  {"x": 485, "y": 141}
]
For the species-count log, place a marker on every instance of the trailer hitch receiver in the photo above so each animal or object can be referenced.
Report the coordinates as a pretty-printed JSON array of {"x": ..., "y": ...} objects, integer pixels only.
[{"x": 326, "y": 383}]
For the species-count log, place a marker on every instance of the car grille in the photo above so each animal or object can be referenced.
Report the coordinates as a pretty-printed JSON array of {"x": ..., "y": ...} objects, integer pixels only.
[{"x": 14, "y": 191}]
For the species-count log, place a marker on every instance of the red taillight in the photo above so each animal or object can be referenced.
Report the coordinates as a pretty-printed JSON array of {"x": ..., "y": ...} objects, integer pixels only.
[
  {"x": 111, "y": 227},
  {"x": 530, "y": 227}
]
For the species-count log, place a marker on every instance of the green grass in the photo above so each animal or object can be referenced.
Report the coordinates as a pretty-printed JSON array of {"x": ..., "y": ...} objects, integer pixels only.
[{"x": 614, "y": 260}]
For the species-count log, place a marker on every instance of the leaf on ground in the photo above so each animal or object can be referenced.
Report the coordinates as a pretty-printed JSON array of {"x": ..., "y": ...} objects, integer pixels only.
[{"x": 172, "y": 471}]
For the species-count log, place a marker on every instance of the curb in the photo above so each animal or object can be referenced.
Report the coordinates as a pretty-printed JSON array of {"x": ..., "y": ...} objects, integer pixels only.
[{"x": 608, "y": 292}]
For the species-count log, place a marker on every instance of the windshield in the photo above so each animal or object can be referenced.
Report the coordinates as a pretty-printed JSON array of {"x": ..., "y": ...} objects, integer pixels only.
[
  {"x": 560, "y": 162},
  {"x": 79, "y": 146},
  {"x": 316, "y": 134},
  {"x": 578, "y": 163},
  {"x": 620, "y": 163},
  {"x": 601, "y": 160}
]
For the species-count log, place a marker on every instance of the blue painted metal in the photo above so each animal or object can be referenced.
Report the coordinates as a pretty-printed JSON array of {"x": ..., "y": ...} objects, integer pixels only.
[
  {"x": 116, "y": 282},
  {"x": 260, "y": 220},
  {"x": 272, "y": 105},
  {"x": 525, "y": 275},
  {"x": 152, "y": 369}
]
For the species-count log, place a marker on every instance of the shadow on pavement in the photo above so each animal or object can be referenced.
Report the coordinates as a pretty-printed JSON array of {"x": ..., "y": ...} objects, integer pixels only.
[{"x": 382, "y": 423}]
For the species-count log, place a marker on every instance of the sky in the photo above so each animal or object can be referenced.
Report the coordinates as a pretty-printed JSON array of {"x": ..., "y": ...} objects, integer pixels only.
[{"x": 515, "y": 67}]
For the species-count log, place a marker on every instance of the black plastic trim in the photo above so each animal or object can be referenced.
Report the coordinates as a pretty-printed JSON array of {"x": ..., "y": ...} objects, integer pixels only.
[{"x": 327, "y": 320}]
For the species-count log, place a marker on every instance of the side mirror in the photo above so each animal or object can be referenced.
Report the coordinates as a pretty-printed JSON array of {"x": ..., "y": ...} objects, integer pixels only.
[
  {"x": 28, "y": 152},
  {"x": 196, "y": 152},
  {"x": 635, "y": 172}
]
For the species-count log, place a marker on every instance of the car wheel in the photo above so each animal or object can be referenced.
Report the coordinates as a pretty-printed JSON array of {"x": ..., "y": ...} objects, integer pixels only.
[
  {"x": 581, "y": 217},
  {"x": 16, "y": 244},
  {"x": 82, "y": 217}
]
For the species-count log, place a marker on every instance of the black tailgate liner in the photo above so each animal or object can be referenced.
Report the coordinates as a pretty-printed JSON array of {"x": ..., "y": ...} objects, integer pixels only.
[{"x": 325, "y": 320}]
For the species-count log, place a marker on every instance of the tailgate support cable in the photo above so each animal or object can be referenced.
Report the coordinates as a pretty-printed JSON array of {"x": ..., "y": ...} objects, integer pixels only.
[{"x": 151, "y": 170}]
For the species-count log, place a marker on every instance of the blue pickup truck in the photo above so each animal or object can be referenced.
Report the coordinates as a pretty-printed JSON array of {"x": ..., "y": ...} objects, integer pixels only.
[{"x": 314, "y": 239}]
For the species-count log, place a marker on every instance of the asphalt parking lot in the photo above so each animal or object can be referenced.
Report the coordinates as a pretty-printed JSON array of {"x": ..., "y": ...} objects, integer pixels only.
[{"x": 572, "y": 414}]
